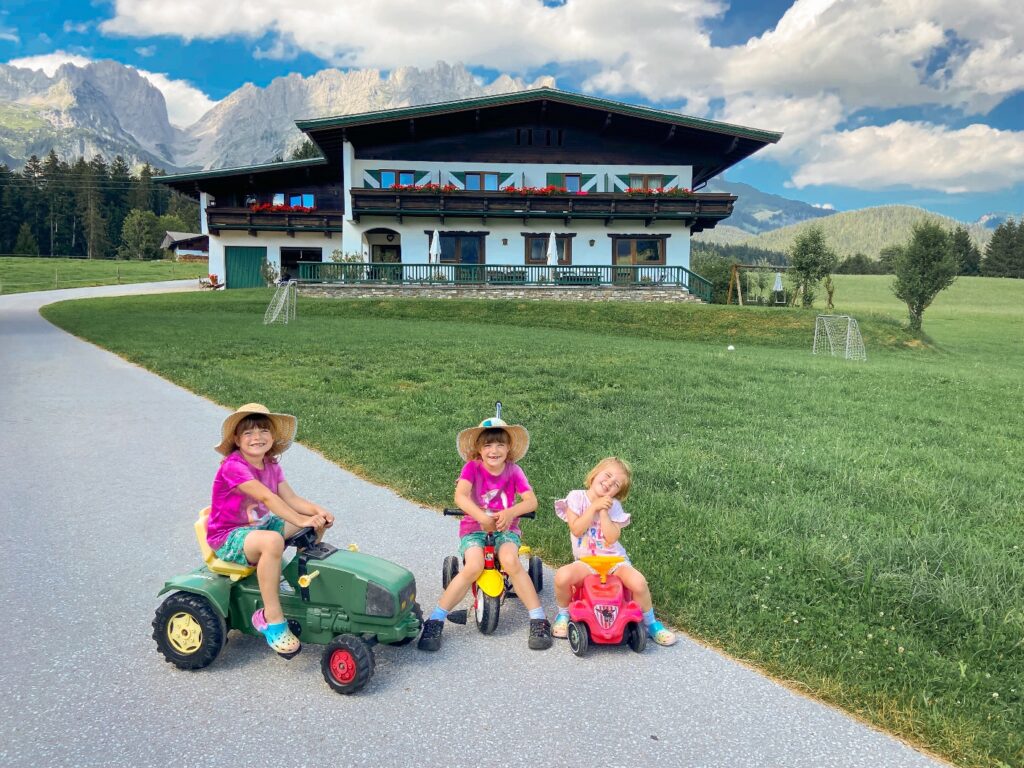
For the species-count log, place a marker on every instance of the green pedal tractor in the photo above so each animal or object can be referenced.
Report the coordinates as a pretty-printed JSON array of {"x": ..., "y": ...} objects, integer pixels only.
[{"x": 339, "y": 598}]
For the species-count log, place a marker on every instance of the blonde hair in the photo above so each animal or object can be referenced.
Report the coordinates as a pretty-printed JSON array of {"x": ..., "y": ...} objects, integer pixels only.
[
  {"x": 491, "y": 435},
  {"x": 627, "y": 470}
]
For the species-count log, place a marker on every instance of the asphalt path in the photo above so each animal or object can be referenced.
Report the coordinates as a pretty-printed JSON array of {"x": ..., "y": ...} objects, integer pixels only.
[{"x": 105, "y": 466}]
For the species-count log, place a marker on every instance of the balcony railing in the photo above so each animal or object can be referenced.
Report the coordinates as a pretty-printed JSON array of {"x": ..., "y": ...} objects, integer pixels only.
[
  {"x": 326, "y": 222},
  {"x": 505, "y": 275},
  {"x": 700, "y": 210}
]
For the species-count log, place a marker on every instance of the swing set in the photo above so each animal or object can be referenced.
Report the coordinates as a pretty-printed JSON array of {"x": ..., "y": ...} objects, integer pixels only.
[{"x": 758, "y": 278}]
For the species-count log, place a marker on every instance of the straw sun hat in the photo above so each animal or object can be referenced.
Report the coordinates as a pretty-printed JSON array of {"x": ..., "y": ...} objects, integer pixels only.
[
  {"x": 285, "y": 426},
  {"x": 519, "y": 439}
]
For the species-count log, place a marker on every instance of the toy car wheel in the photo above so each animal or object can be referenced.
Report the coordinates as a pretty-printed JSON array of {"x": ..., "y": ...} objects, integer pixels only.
[
  {"x": 536, "y": 571},
  {"x": 486, "y": 611},
  {"x": 449, "y": 570},
  {"x": 188, "y": 631},
  {"x": 579, "y": 637},
  {"x": 417, "y": 611},
  {"x": 636, "y": 637},
  {"x": 347, "y": 663}
]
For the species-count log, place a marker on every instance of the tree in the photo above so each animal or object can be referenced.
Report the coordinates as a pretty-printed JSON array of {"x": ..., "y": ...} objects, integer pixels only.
[
  {"x": 713, "y": 266},
  {"x": 811, "y": 260},
  {"x": 305, "y": 150},
  {"x": 1004, "y": 256},
  {"x": 966, "y": 252},
  {"x": 140, "y": 236},
  {"x": 186, "y": 209},
  {"x": 91, "y": 209},
  {"x": 924, "y": 267},
  {"x": 26, "y": 244},
  {"x": 117, "y": 193}
]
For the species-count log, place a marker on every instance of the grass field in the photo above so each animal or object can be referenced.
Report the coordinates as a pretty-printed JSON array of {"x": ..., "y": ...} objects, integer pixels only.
[
  {"x": 19, "y": 274},
  {"x": 854, "y": 529}
]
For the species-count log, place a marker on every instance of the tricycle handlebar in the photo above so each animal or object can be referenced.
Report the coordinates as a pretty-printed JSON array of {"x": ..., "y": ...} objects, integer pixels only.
[{"x": 459, "y": 513}]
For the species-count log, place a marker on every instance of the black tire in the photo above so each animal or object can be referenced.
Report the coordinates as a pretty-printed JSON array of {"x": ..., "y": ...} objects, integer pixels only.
[
  {"x": 418, "y": 613},
  {"x": 636, "y": 637},
  {"x": 536, "y": 571},
  {"x": 579, "y": 637},
  {"x": 347, "y": 664},
  {"x": 449, "y": 570},
  {"x": 188, "y": 631},
  {"x": 487, "y": 610}
]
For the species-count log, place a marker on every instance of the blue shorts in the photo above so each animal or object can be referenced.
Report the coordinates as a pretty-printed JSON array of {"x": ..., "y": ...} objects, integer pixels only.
[
  {"x": 476, "y": 539},
  {"x": 233, "y": 548}
]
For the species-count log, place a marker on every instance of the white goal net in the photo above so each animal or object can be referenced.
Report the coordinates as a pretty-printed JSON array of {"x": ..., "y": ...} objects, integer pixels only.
[
  {"x": 839, "y": 336},
  {"x": 281, "y": 308}
]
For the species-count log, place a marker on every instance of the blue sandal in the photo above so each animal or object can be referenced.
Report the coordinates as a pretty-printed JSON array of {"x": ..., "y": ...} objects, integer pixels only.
[{"x": 278, "y": 636}]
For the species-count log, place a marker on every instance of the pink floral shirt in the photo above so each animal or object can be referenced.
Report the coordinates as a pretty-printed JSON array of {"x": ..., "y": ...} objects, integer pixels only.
[
  {"x": 231, "y": 508},
  {"x": 492, "y": 492}
]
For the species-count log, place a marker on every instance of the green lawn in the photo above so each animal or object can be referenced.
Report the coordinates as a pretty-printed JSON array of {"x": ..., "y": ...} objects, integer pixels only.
[
  {"x": 19, "y": 274},
  {"x": 852, "y": 528}
]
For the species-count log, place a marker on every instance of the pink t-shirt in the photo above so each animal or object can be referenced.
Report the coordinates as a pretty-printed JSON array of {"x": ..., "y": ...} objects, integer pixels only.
[
  {"x": 492, "y": 492},
  {"x": 232, "y": 508},
  {"x": 592, "y": 541}
]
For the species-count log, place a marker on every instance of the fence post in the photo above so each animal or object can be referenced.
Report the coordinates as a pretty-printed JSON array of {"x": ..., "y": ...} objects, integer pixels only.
[
  {"x": 55, "y": 279},
  {"x": 118, "y": 269}
]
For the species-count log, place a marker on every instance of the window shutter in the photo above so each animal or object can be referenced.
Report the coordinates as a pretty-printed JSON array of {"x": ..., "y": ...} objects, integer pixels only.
[
  {"x": 371, "y": 179},
  {"x": 505, "y": 180},
  {"x": 459, "y": 179},
  {"x": 621, "y": 182},
  {"x": 588, "y": 182},
  {"x": 556, "y": 180}
]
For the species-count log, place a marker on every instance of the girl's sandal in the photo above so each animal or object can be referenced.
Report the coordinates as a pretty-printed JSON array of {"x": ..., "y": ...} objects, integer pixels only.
[
  {"x": 660, "y": 635},
  {"x": 278, "y": 636}
]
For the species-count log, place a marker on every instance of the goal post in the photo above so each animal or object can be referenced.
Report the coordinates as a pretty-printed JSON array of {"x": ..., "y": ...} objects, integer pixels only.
[
  {"x": 281, "y": 308},
  {"x": 838, "y": 336}
]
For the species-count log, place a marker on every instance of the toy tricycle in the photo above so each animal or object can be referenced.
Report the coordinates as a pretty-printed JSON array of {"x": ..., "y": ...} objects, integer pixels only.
[
  {"x": 340, "y": 598},
  {"x": 603, "y": 611},
  {"x": 492, "y": 586}
]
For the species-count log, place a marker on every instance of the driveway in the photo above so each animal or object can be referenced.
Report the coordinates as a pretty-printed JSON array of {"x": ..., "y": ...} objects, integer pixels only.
[{"x": 105, "y": 468}]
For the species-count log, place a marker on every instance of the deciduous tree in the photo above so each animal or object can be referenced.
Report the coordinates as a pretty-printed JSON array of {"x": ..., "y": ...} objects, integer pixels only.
[{"x": 924, "y": 267}]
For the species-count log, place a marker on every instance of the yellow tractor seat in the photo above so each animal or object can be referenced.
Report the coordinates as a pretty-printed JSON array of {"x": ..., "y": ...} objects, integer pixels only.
[{"x": 234, "y": 571}]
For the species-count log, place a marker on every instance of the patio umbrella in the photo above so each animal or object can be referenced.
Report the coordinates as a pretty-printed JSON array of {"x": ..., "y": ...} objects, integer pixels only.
[
  {"x": 778, "y": 282},
  {"x": 552, "y": 251},
  {"x": 434, "y": 252}
]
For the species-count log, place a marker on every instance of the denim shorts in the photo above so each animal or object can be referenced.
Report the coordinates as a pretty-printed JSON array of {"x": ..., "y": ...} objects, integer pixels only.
[
  {"x": 476, "y": 539},
  {"x": 233, "y": 548}
]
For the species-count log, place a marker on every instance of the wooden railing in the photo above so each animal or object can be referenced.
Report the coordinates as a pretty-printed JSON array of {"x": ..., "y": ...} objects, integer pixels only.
[
  {"x": 583, "y": 275},
  {"x": 326, "y": 222},
  {"x": 701, "y": 209}
]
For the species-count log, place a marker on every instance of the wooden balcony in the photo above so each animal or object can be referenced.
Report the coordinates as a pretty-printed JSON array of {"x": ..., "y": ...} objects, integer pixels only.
[
  {"x": 289, "y": 222},
  {"x": 699, "y": 210}
]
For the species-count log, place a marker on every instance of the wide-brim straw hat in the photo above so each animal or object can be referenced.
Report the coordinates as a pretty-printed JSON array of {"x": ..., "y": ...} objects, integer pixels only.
[
  {"x": 518, "y": 436},
  {"x": 285, "y": 427}
]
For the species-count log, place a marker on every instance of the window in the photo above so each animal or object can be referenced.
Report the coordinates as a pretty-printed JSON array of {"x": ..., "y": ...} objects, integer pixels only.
[
  {"x": 462, "y": 248},
  {"x": 278, "y": 198},
  {"x": 646, "y": 181},
  {"x": 485, "y": 182},
  {"x": 305, "y": 200},
  {"x": 640, "y": 251},
  {"x": 572, "y": 182},
  {"x": 537, "y": 248},
  {"x": 388, "y": 179}
]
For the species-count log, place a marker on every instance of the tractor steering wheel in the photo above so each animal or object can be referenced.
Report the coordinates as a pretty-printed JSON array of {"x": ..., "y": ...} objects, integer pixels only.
[{"x": 302, "y": 538}]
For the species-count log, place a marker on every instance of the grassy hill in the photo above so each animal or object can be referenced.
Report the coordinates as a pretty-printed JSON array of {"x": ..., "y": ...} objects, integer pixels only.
[{"x": 865, "y": 231}]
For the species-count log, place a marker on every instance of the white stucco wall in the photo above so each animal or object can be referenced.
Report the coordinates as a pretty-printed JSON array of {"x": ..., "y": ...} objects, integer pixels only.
[{"x": 272, "y": 241}]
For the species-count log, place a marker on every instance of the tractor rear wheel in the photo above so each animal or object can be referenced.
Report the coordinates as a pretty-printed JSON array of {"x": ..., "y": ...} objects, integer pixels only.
[{"x": 188, "y": 631}]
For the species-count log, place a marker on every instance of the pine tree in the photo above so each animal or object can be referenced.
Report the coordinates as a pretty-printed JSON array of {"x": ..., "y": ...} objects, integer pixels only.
[
  {"x": 117, "y": 194},
  {"x": 141, "y": 197},
  {"x": 60, "y": 205},
  {"x": 966, "y": 252},
  {"x": 10, "y": 212},
  {"x": 999, "y": 255},
  {"x": 306, "y": 149},
  {"x": 33, "y": 198},
  {"x": 26, "y": 244},
  {"x": 91, "y": 210}
]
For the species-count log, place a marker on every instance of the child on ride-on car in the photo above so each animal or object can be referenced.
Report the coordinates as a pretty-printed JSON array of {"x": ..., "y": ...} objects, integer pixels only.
[
  {"x": 486, "y": 492},
  {"x": 254, "y": 510},
  {"x": 596, "y": 519}
]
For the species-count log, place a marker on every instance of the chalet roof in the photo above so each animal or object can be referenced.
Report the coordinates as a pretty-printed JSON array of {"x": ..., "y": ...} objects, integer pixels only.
[
  {"x": 172, "y": 239},
  {"x": 535, "y": 94},
  {"x": 215, "y": 173}
]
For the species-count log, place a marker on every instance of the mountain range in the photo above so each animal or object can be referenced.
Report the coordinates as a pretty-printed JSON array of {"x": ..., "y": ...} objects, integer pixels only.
[{"x": 110, "y": 109}]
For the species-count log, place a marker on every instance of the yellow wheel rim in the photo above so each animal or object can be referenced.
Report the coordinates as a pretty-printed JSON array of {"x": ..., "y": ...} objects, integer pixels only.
[{"x": 184, "y": 633}]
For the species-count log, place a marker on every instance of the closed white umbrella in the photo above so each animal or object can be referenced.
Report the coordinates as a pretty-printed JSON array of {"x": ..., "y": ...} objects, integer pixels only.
[
  {"x": 434, "y": 252},
  {"x": 552, "y": 251},
  {"x": 778, "y": 281}
]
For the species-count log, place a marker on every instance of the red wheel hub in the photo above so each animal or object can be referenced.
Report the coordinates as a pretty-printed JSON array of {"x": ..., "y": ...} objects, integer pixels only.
[{"x": 343, "y": 666}]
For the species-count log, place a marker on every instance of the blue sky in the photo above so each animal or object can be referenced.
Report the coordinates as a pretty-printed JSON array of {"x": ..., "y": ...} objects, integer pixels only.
[{"x": 881, "y": 101}]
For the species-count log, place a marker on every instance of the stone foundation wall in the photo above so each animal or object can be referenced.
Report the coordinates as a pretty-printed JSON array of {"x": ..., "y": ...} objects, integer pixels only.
[{"x": 528, "y": 293}]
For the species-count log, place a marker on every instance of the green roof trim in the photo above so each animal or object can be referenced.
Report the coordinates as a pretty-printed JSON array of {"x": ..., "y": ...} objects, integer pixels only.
[
  {"x": 444, "y": 107},
  {"x": 263, "y": 168}
]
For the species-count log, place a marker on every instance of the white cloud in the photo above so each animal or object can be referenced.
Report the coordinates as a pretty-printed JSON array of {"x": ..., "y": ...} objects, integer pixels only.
[
  {"x": 79, "y": 27},
  {"x": 185, "y": 102},
  {"x": 977, "y": 158},
  {"x": 10, "y": 34},
  {"x": 146, "y": 50},
  {"x": 823, "y": 206}
]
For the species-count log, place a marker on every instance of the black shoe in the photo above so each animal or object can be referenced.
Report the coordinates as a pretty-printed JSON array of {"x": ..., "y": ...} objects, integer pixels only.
[
  {"x": 540, "y": 634},
  {"x": 430, "y": 639}
]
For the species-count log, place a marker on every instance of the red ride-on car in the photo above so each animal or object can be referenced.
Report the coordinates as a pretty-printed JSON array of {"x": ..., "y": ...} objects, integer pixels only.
[{"x": 602, "y": 610}]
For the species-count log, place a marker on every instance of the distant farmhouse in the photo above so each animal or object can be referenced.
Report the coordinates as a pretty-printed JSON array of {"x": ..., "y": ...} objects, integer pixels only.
[
  {"x": 186, "y": 246},
  {"x": 493, "y": 178}
]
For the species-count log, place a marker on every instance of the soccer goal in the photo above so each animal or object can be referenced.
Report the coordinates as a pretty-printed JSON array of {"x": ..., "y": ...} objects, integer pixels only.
[
  {"x": 281, "y": 308},
  {"x": 839, "y": 336}
]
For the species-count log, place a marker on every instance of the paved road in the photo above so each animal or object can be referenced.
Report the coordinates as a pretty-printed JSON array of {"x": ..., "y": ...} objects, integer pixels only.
[{"x": 104, "y": 468}]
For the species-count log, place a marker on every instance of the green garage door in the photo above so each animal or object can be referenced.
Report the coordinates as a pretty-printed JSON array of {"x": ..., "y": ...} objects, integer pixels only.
[{"x": 243, "y": 266}]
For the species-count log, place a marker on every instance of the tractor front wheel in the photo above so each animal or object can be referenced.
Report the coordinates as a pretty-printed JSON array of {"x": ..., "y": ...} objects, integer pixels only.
[
  {"x": 347, "y": 663},
  {"x": 188, "y": 631}
]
